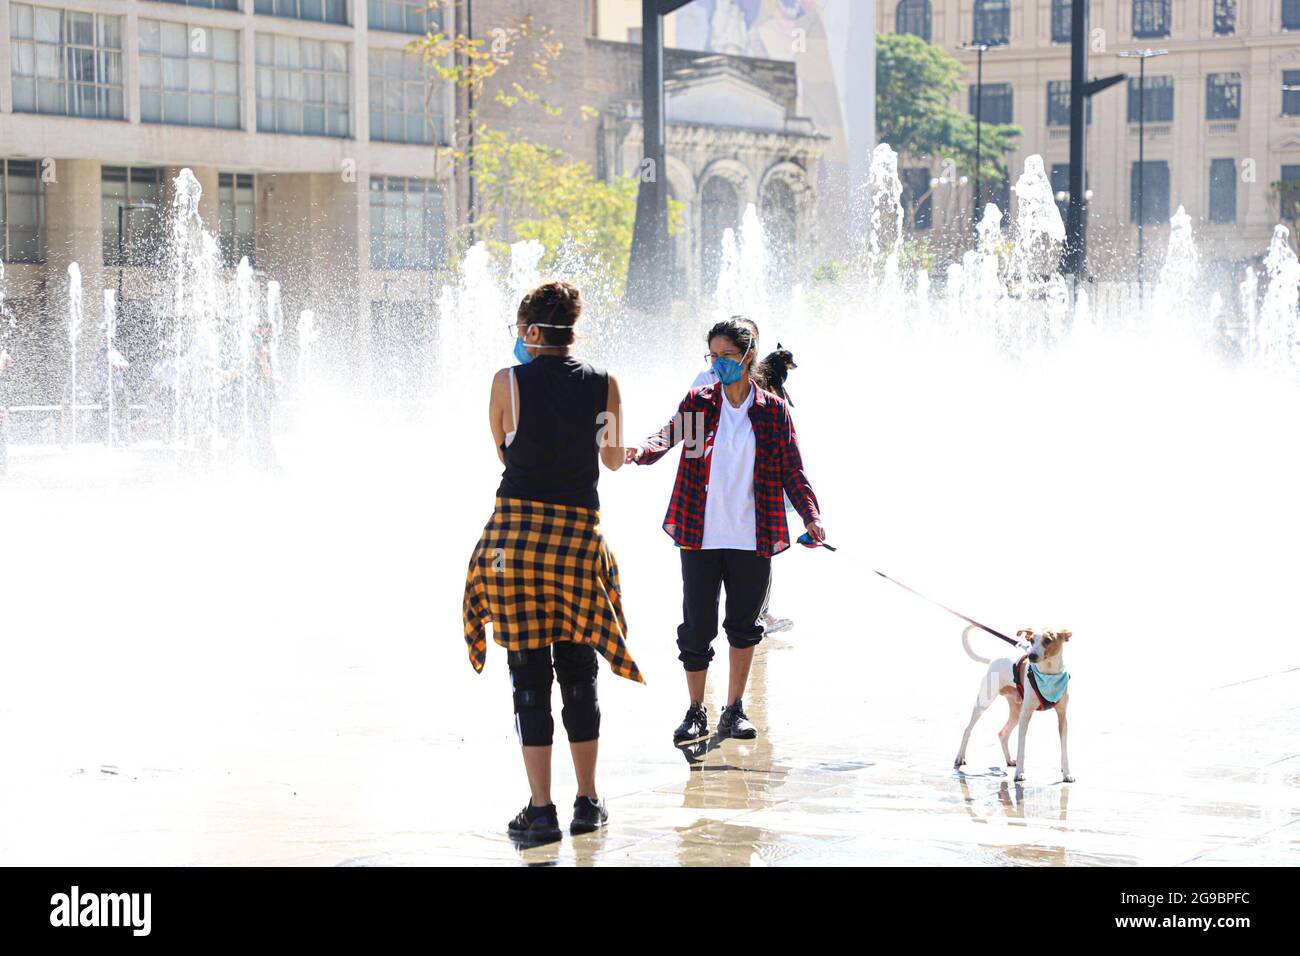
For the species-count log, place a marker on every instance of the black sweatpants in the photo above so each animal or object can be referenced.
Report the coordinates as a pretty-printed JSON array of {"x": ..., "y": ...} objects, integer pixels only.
[
  {"x": 746, "y": 578},
  {"x": 575, "y": 670}
]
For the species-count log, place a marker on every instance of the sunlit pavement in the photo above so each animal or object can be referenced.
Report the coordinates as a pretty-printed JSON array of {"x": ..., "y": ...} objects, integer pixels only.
[{"x": 258, "y": 671}]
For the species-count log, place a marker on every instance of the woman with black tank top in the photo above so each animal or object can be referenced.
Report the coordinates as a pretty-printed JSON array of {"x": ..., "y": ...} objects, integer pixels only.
[{"x": 542, "y": 573}]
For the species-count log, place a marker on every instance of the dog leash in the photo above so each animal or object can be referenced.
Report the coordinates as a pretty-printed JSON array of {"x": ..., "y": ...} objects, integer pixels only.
[{"x": 968, "y": 620}]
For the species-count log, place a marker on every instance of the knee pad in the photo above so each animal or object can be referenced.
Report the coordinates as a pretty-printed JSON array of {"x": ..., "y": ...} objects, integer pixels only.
[
  {"x": 532, "y": 698},
  {"x": 581, "y": 713},
  {"x": 533, "y": 720}
]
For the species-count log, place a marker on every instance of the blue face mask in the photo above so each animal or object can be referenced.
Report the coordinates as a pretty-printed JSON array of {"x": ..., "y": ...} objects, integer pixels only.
[
  {"x": 522, "y": 355},
  {"x": 727, "y": 370}
]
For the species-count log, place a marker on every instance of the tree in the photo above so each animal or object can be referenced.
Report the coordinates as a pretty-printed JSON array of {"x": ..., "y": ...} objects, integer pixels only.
[
  {"x": 531, "y": 191},
  {"x": 916, "y": 83}
]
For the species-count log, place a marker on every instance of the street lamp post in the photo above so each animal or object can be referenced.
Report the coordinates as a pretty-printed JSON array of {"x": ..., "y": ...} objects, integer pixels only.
[
  {"x": 1141, "y": 56},
  {"x": 110, "y": 328},
  {"x": 980, "y": 49}
]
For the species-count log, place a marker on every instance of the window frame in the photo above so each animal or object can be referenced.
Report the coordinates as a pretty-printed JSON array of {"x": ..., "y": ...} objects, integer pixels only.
[
  {"x": 1154, "y": 93},
  {"x": 164, "y": 95},
  {"x": 994, "y": 16},
  {"x": 6, "y": 219},
  {"x": 431, "y": 244},
  {"x": 233, "y": 243},
  {"x": 1229, "y": 104},
  {"x": 144, "y": 177},
  {"x": 1148, "y": 18},
  {"x": 1161, "y": 164},
  {"x": 914, "y": 10},
  {"x": 69, "y": 52},
  {"x": 1211, "y": 209}
]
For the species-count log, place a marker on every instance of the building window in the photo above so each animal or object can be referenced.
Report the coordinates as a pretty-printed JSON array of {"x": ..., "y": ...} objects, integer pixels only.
[
  {"x": 992, "y": 22},
  {"x": 406, "y": 223},
  {"x": 917, "y": 198},
  {"x": 1154, "y": 190},
  {"x": 210, "y": 4},
  {"x": 189, "y": 75},
  {"x": 1062, "y": 13},
  {"x": 237, "y": 217},
  {"x": 1223, "y": 190},
  {"x": 1291, "y": 14},
  {"x": 403, "y": 104},
  {"x": 22, "y": 211},
  {"x": 1225, "y": 17},
  {"x": 914, "y": 17},
  {"x": 402, "y": 16},
  {"x": 1150, "y": 19},
  {"x": 1155, "y": 102},
  {"x": 122, "y": 186},
  {"x": 327, "y": 11},
  {"x": 995, "y": 103},
  {"x": 1290, "y": 197},
  {"x": 1291, "y": 92},
  {"x": 302, "y": 86},
  {"x": 66, "y": 62},
  {"x": 1223, "y": 96},
  {"x": 1058, "y": 104}
]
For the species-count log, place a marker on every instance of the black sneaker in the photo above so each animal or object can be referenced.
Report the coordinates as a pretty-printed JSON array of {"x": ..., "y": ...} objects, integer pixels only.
[
  {"x": 695, "y": 726},
  {"x": 588, "y": 815},
  {"x": 734, "y": 723},
  {"x": 536, "y": 824}
]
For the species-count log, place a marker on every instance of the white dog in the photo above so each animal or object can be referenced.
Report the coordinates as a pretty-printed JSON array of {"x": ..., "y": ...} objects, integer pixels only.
[{"x": 1036, "y": 681}]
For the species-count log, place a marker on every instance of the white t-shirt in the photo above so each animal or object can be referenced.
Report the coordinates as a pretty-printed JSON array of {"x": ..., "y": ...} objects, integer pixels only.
[
  {"x": 709, "y": 377},
  {"x": 729, "y": 520}
]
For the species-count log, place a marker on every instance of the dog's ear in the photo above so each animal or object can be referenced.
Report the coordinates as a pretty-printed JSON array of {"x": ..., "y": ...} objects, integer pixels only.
[{"x": 1064, "y": 635}]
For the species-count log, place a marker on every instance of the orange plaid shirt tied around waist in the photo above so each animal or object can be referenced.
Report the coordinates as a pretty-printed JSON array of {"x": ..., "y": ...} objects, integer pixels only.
[{"x": 542, "y": 573}]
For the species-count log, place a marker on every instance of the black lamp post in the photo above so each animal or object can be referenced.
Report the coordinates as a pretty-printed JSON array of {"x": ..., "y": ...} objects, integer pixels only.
[
  {"x": 648, "y": 267},
  {"x": 1141, "y": 56},
  {"x": 980, "y": 49}
]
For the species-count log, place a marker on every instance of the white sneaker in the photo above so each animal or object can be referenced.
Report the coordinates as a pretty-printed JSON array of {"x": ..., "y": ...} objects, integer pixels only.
[{"x": 775, "y": 625}]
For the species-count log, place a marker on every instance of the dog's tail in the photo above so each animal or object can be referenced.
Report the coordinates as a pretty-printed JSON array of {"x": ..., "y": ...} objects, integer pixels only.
[{"x": 965, "y": 643}]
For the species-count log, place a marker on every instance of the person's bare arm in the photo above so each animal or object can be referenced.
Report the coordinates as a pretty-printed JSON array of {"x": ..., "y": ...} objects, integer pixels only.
[
  {"x": 498, "y": 411},
  {"x": 612, "y": 452}
]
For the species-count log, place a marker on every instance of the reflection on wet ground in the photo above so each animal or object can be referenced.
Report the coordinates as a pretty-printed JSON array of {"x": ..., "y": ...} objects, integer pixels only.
[{"x": 340, "y": 724}]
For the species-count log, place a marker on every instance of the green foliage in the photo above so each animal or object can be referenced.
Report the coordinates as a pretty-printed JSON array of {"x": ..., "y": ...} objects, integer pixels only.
[
  {"x": 827, "y": 273},
  {"x": 531, "y": 191},
  {"x": 915, "y": 85}
]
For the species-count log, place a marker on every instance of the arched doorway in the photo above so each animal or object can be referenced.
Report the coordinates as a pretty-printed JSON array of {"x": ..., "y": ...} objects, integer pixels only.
[{"x": 719, "y": 211}]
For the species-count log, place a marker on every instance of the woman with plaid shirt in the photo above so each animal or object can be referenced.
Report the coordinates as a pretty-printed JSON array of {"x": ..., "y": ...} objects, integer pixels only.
[{"x": 727, "y": 515}]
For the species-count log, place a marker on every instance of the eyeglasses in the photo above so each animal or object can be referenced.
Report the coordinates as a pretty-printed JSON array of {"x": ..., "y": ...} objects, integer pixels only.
[{"x": 710, "y": 358}]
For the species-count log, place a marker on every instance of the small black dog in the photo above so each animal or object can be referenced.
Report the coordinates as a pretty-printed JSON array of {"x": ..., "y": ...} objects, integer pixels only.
[{"x": 774, "y": 370}]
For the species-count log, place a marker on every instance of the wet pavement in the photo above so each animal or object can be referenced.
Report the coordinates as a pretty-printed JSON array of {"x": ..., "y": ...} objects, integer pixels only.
[{"x": 309, "y": 701}]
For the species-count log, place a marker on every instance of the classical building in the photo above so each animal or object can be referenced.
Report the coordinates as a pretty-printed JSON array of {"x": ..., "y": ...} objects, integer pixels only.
[{"x": 1222, "y": 111}]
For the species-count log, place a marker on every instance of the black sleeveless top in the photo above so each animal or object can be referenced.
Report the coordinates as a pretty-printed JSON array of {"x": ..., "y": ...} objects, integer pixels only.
[{"x": 554, "y": 456}]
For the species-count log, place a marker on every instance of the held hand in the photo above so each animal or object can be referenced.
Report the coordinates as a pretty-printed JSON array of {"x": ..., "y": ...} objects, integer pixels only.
[
  {"x": 816, "y": 531},
  {"x": 631, "y": 455}
]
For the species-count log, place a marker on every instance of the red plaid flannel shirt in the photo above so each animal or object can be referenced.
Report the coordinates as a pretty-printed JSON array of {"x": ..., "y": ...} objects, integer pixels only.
[{"x": 777, "y": 467}]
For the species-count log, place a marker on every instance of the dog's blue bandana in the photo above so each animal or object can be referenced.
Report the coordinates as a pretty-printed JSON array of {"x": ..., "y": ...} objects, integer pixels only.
[{"x": 1050, "y": 687}]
